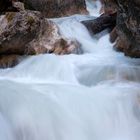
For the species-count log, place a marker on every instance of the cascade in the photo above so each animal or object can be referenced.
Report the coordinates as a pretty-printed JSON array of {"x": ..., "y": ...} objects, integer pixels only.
[{"x": 91, "y": 96}]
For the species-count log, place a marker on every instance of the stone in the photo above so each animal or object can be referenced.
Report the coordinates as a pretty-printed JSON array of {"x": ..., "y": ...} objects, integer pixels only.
[
  {"x": 113, "y": 35},
  {"x": 127, "y": 25},
  {"x": 18, "y": 5},
  {"x": 28, "y": 33},
  {"x": 17, "y": 30},
  {"x": 50, "y": 41},
  {"x": 108, "y": 6},
  {"x": 7, "y": 61},
  {"x": 105, "y": 21},
  {"x": 57, "y": 8}
]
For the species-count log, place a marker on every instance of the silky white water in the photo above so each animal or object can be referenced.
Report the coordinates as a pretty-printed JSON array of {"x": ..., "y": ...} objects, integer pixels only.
[{"x": 92, "y": 96}]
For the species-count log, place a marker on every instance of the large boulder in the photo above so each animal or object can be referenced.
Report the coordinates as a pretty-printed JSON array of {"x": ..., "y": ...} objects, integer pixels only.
[
  {"x": 128, "y": 23},
  {"x": 28, "y": 33},
  {"x": 50, "y": 41},
  {"x": 17, "y": 30},
  {"x": 127, "y": 31},
  {"x": 57, "y": 8},
  {"x": 105, "y": 21}
]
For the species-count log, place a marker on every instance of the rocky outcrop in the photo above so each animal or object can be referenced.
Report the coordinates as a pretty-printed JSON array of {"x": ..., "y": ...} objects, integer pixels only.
[
  {"x": 28, "y": 33},
  {"x": 57, "y": 8},
  {"x": 25, "y": 32},
  {"x": 17, "y": 30},
  {"x": 128, "y": 24},
  {"x": 127, "y": 32},
  {"x": 49, "y": 8}
]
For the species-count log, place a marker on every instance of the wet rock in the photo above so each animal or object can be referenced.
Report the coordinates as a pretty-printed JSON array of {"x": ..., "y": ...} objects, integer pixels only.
[
  {"x": 113, "y": 35},
  {"x": 121, "y": 44},
  {"x": 128, "y": 25},
  {"x": 50, "y": 41},
  {"x": 28, "y": 33},
  {"x": 105, "y": 21},
  {"x": 7, "y": 61},
  {"x": 57, "y": 8}
]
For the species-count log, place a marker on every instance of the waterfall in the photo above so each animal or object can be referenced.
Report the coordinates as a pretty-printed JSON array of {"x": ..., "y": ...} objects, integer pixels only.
[{"x": 92, "y": 96}]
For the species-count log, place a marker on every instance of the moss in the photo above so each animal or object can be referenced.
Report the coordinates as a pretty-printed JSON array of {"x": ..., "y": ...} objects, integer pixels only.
[
  {"x": 10, "y": 16},
  {"x": 30, "y": 20}
]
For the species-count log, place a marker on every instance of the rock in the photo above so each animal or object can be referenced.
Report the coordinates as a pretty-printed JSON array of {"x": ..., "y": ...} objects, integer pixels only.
[
  {"x": 109, "y": 6},
  {"x": 28, "y": 33},
  {"x": 7, "y": 61},
  {"x": 101, "y": 23},
  {"x": 120, "y": 44},
  {"x": 17, "y": 30},
  {"x": 18, "y": 5},
  {"x": 123, "y": 45},
  {"x": 128, "y": 25},
  {"x": 57, "y": 8},
  {"x": 113, "y": 35},
  {"x": 50, "y": 41}
]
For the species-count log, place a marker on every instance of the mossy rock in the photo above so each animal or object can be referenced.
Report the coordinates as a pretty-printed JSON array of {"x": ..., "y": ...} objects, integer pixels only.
[
  {"x": 30, "y": 20},
  {"x": 10, "y": 16}
]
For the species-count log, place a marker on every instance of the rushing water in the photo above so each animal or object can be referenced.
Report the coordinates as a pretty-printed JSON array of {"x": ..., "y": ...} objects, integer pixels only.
[{"x": 92, "y": 96}]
